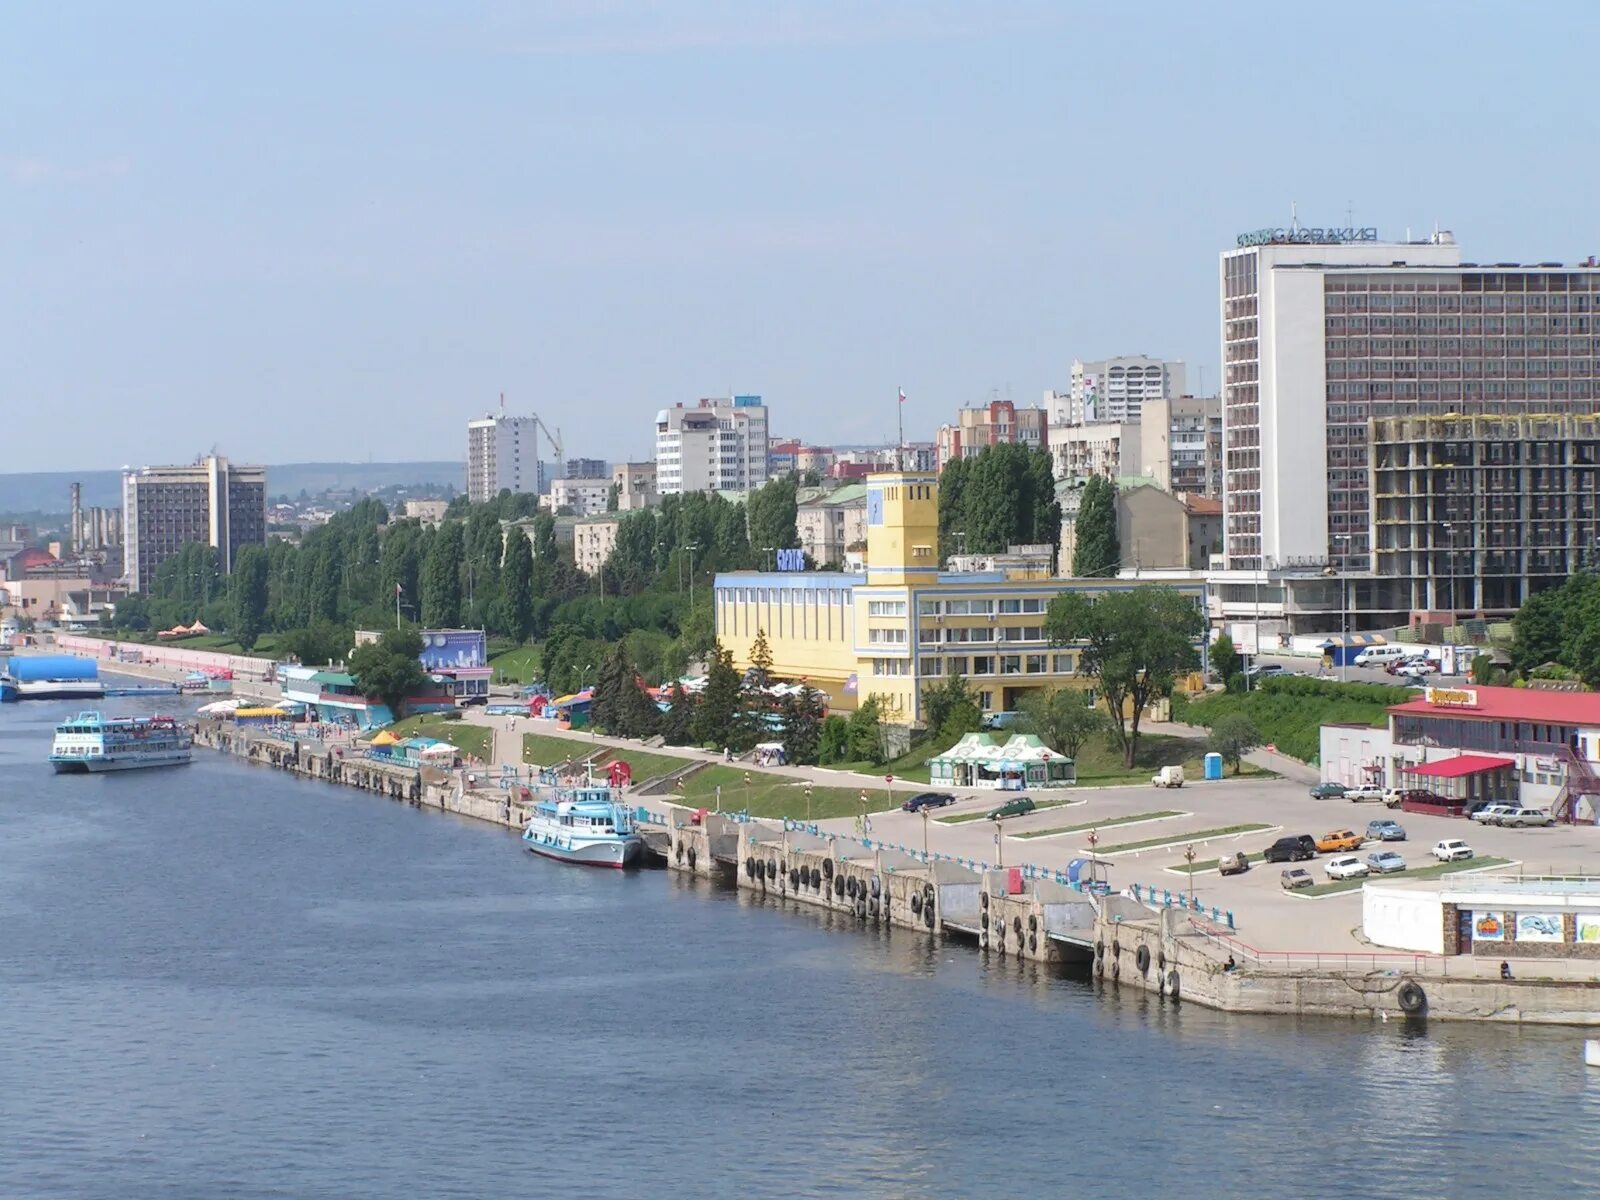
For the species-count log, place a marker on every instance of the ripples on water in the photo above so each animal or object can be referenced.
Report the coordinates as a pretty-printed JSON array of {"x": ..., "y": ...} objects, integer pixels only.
[{"x": 218, "y": 981}]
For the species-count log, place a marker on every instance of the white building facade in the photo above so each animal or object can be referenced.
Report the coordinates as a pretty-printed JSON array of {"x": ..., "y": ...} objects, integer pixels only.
[
  {"x": 502, "y": 453},
  {"x": 1115, "y": 389},
  {"x": 717, "y": 445},
  {"x": 584, "y": 497}
]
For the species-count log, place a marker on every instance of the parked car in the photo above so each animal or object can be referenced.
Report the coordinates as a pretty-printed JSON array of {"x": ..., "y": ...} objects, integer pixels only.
[
  {"x": 1260, "y": 669},
  {"x": 1366, "y": 794},
  {"x": 1327, "y": 791},
  {"x": 1452, "y": 850},
  {"x": 1236, "y": 863},
  {"x": 1385, "y": 831},
  {"x": 1019, "y": 807},
  {"x": 1394, "y": 665},
  {"x": 1523, "y": 817},
  {"x": 1296, "y": 848},
  {"x": 1490, "y": 814},
  {"x": 1416, "y": 670},
  {"x": 1346, "y": 866},
  {"x": 1168, "y": 777},
  {"x": 1296, "y": 877},
  {"x": 1377, "y": 656},
  {"x": 1399, "y": 797},
  {"x": 1339, "y": 839},
  {"x": 924, "y": 800},
  {"x": 1385, "y": 862}
]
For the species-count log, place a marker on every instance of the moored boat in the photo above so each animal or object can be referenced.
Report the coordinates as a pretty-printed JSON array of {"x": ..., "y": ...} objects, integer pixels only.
[
  {"x": 590, "y": 826},
  {"x": 90, "y": 742}
]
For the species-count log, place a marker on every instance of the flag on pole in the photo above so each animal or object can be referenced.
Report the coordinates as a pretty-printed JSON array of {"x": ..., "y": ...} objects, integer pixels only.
[
  {"x": 398, "y": 590},
  {"x": 902, "y": 395}
]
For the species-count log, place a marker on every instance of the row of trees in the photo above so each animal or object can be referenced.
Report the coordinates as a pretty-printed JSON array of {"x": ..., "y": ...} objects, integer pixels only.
[
  {"x": 1560, "y": 628},
  {"x": 1002, "y": 496}
]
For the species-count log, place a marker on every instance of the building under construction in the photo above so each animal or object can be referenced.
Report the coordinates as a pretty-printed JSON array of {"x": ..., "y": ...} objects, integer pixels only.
[{"x": 1474, "y": 514}]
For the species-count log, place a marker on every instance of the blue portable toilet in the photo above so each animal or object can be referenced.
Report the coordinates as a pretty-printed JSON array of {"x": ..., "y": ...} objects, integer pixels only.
[{"x": 1213, "y": 765}]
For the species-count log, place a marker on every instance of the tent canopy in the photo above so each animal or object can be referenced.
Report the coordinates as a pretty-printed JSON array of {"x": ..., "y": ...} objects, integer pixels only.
[{"x": 385, "y": 739}]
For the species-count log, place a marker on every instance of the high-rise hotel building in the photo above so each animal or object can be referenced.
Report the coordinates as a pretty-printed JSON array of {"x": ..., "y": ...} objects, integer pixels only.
[
  {"x": 210, "y": 501},
  {"x": 1326, "y": 331}
]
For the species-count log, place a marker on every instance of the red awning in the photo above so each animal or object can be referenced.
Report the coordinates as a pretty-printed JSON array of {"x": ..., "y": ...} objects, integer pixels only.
[{"x": 1462, "y": 764}]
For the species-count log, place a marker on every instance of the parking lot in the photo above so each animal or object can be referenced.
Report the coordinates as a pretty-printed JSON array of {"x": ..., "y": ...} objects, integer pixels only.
[{"x": 1266, "y": 916}]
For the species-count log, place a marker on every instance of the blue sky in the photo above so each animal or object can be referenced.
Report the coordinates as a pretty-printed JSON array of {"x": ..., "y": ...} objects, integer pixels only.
[{"x": 301, "y": 232}]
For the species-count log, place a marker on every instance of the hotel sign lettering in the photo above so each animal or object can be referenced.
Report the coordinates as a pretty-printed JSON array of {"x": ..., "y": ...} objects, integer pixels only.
[
  {"x": 1299, "y": 236},
  {"x": 1452, "y": 697},
  {"x": 791, "y": 560}
]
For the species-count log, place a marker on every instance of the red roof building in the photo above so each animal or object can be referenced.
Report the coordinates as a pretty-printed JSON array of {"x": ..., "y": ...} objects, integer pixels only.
[{"x": 1544, "y": 745}]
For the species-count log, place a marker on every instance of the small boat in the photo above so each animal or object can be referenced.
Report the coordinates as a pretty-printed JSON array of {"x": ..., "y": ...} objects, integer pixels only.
[
  {"x": 92, "y": 743},
  {"x": 8, "y": 691},
  {"x": 586, "y": 825}
]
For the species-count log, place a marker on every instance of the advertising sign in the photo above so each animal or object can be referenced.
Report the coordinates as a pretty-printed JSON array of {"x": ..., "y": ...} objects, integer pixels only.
[
  {"x": 1589, "y": 927},
  {"x": 1488, "y": 927},
  {"x": 443, "y": 649},
  {"x": 791, "y": 560},
  {"x": 1539, "y": 927},
  {"x": 1243, "y": 634},
  {"x": 1452, "y": 697}
]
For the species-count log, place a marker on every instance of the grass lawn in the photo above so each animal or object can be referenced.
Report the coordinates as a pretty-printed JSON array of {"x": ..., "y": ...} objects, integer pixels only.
[
  {"x": 1000, "y": 798},
  {"x": 547, "y": 750},
  {"x": 1168, "y": 839},
  {"x": 520, "y": 665},
  {"x": 1100, "y": 762},
  {"x": 1433, "y": 872},
  {"x": 476, "y": 740},
  {"x": 1201, "y": 865},
  {"x": 769, "y": 795},
  {"x": 1106, "y": 824}
]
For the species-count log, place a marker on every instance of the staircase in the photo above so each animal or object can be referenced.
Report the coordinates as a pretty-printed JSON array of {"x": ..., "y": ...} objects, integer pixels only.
[{"x": 1581, "y": 780}]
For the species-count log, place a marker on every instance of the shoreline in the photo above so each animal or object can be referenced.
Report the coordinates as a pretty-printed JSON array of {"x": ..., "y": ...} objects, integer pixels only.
[{"x": 1172, "y": 951}]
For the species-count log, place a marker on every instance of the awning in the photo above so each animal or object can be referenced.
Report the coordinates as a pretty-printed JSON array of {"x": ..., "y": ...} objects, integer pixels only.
[
  {"x": 385, "y": 739},
  {"x": 1459, "y": 766}
]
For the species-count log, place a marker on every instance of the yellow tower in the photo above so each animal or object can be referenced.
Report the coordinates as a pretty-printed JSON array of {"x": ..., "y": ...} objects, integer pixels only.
[{"x": 903, "y": 528}]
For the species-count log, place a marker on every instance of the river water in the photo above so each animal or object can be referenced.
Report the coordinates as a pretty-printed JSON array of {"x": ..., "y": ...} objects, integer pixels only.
[{"x": 217, "y": 981}]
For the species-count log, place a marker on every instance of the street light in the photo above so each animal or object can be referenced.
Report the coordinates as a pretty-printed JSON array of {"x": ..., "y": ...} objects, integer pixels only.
[
  {"x": 924, "y": 832},
  {"x": 999, "y": 847},
  {"x": 1344, "y": 649}
]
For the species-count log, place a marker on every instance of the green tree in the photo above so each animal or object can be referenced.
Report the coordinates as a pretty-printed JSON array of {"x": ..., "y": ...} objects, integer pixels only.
[
  {"x": 132, "y": 612},
  {"x": 613, "y": 496},
  {"x": 441, "y": 578},
  {"x": 803, "y": 713},
  {"x": 544, "y": 538},
  {"x": 518, "y": 583},
  {"x": 1096, "y": 551},
  {"x": 864, "y": 733},
  {"x": 318, "y": 643},
  {"x": 1135, "y": 643},
  {"x": 610, "y": 686},
  {"x": 1483, "y": 669},
  {"x": 719, "y": 702},
  {"x": 639, "y": 716},
  {"x": 677, "y": 723},
  {"x": 771, "y": 512},
  {"x": 834, "y": 744},
  {"x": 248, "y": 596},
  {"x": 388, "y": 670},
  {"x": 952, "y": 506},
  {"x": 761, "y": 660},
  {"x": 949, "y": 709},
  {"x": 1224, "y": 658},
  {"x": 1233, "y": 736},
  {"x": 1063, "y": 717}
]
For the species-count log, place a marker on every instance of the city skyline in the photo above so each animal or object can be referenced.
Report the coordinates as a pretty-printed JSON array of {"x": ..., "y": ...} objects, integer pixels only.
[{"x": 603, "y": 213}]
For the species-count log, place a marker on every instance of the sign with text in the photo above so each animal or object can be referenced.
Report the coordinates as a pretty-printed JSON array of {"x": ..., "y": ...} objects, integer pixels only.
[
  {"x": 1299, "y": 236},
  {"x": 791, "y": 560},
  {"x": 1452, "y": 697}
]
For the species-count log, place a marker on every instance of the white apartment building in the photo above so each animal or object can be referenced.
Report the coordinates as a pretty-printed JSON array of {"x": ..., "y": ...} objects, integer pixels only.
[
  {"x": 718, "y": 445},
  {"x": 502, "y": 453},
  {"x": 210, "y": 501},
  {"x": 584, "y": 497},
  {"x": 1105, "y": 448},
  {"x": 1116, "y": 388},
  {"x": 1326, "y": 331},
  {"x": 593, "y": 540}
]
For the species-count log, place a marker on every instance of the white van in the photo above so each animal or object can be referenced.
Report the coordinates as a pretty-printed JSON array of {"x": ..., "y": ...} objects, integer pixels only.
[{"x": 1382, "y": 656}]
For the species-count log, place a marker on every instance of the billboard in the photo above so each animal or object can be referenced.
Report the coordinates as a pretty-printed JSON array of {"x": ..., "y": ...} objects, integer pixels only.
[
  {"x": 445, "y": 649},
  {"x": 1244, "y": 634}
]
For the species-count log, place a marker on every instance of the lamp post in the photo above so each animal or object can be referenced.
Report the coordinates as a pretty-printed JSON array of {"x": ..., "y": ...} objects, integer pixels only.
[
  {"x": 1344, "y": 608},
  {"x": 1188, "y": 857},
  {"x": 924, "y": 833},
  {"x": 999, "y": 846},
  {"x": 691, "y": 548},
  {"x": 808, "y": 804},
  {"x": 772, "y": 550},
  {"x": 1094, "y": 862}
]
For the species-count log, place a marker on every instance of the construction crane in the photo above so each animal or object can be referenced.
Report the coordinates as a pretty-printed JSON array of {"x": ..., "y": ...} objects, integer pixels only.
[{"x": 555, "y": 442}]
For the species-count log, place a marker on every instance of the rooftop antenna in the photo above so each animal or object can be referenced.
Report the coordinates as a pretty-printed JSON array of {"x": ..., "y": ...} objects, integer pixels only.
[
  {"x": 502, "y": 404},
  {"x": 1294, "y": 215},
  {"x": 1350, "y": 213}
]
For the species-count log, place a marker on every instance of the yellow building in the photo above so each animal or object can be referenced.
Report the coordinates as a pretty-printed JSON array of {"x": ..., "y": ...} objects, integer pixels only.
[{"x": 906, "y": 625}]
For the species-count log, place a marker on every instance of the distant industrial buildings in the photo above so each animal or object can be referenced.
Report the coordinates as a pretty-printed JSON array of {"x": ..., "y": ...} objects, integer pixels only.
[
  {"x": 717, "y": 445},
  {"x": 211, "y": 501}
]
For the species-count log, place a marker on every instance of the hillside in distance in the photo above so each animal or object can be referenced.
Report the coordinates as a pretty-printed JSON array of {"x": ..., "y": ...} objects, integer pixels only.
[{"x": 50, "y": 491}]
